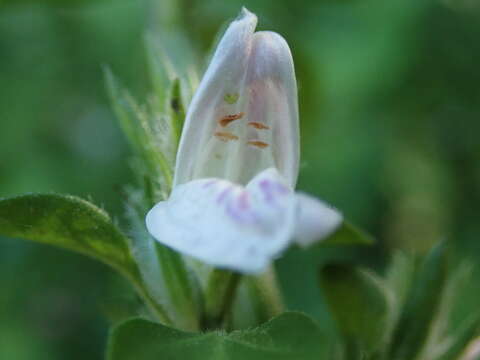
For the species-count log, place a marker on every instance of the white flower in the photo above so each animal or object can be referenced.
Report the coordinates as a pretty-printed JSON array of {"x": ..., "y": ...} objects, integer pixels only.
[{"x": 233, "y": 203}]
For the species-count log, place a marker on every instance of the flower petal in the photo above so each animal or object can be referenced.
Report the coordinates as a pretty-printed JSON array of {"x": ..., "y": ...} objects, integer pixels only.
[
  {"x": 226, "y": 225},
  {"x": 244, "y": 116},
  {"x": 273, "y": 103},
  {"x": 217, "y": 94},
  {"x": 315, "y": 220}
]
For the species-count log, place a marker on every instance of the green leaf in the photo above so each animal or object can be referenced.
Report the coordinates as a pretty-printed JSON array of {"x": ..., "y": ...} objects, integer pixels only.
[
  {"x": 457, "y": 343},
  {"x": 124, "y": 107},
  {"x": 442, "y": 323},
  {"x": 400, "y": 275},
  {"x": 289, "y": 336},
  {"x": 348, "y": 234},
  {"x": 74, "y": 224},
  {"x": 160, "y": 70},
  {"x": 421, "y": 306},
  {"x": 449, "y": 335},
  {"x": 361, "y": 305},
  {"x": 68, "y": 222}
]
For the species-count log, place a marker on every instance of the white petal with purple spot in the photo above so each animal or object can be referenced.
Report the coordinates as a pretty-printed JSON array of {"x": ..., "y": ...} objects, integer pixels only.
[{"x": 227, "y": 225}]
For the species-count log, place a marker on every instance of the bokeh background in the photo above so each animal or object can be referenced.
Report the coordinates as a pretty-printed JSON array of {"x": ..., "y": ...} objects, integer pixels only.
[{"x": 390, "y": 116}]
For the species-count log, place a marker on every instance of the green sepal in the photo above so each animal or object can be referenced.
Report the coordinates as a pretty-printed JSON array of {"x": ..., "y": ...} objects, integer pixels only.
[{"x": 347, "y": 234}]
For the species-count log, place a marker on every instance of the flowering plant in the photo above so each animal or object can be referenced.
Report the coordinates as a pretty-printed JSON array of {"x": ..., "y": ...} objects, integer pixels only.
[{"x": 215, "y": 205}]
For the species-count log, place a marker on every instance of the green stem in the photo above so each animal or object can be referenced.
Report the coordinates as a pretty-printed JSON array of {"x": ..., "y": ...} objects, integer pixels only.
[
  {"x": 268, "y": 290},
  {"x": 220, "y": 293}
]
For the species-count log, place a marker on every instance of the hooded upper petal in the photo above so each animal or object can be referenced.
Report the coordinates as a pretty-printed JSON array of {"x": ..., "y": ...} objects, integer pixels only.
[
  {"x": 227, "y": 225},
  {"x": 273, "y": 104},
  {"x": 244, "y": 116}
]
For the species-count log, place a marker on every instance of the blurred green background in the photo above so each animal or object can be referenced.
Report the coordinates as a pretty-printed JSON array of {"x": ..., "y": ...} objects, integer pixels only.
[{"x": 390, "y": 114}]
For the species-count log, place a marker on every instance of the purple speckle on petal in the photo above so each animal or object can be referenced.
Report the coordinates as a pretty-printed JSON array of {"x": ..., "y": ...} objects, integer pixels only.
[
  {"x": 270, "y": 189},
  {"x": 221, "y": 197},
  {"x": 243, "y": 216},
  {"x": 238, "y": 208}
]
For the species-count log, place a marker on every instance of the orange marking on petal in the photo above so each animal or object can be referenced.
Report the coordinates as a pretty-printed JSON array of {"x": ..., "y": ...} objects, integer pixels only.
[
  {"x": 258, "y": 125},
  {"x": 225, "y": 136},
  {"x": 259, "y": 144},
  {"x": 224, "y": 121}
]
